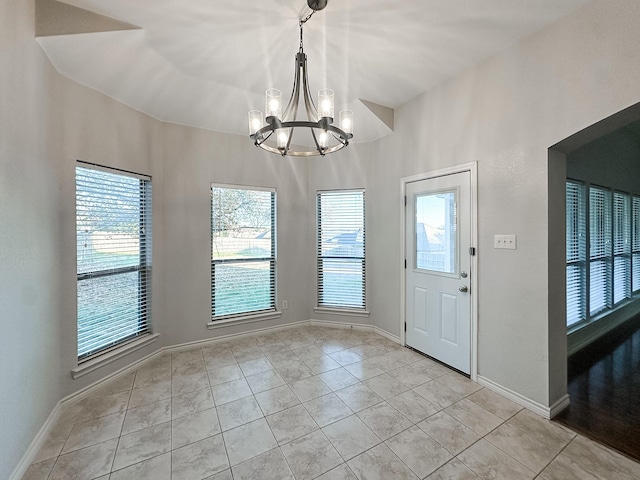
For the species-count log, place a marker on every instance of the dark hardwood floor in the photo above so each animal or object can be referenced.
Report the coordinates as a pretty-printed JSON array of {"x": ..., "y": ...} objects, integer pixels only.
[{"x": 604, "y": 387}]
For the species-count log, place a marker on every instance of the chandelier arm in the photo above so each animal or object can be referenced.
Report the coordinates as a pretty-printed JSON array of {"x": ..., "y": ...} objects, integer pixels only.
[
  {"x": 295, "y": 93},
  {"x": 310, "y": 107}
]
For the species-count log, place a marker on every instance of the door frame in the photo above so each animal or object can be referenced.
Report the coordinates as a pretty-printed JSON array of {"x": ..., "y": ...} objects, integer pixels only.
[{"x": 472, "y": 168}]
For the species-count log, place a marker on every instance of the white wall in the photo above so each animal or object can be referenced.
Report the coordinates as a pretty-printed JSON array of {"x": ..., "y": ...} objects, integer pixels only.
[
  {"x": 46, "y": 123},
  {"x": 505, "y": 114},
  {"x": 193, "y": 159}
]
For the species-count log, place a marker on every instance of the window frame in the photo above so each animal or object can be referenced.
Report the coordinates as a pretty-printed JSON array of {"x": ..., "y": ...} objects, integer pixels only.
[
  {"x": 269, "y": 312},
  {"x": 115, "y": 347},
  {"x": 576, "y": 248},
  {"x": 357, "y": 308}
]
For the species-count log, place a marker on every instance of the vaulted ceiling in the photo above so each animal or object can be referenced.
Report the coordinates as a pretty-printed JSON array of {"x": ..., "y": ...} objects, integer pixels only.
[{"x": 205, "y": 63}]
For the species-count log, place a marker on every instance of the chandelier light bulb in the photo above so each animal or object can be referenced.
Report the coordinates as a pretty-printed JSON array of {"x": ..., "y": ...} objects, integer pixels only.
[
  {"x": 282, "y": 137},
  {"x": 273, "y": 103},
  {"x": 255, "y": 121},
  {"x": 323, "y": 139},
  {"x": 346, "y": 121},
  {"x": 325, "y": 103}
]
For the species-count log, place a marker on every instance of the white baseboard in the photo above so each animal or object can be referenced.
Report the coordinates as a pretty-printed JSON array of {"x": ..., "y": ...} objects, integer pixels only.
[
  {"x": 535, "y": 407},
  {"x": 35, "y": 445}
]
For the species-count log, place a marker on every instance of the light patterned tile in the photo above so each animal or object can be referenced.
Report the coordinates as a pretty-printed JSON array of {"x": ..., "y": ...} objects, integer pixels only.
[
  {"x": 199, "y": 460},
  {"x": 270, "y": 465},
  {"x": 458, "y": 383},
  {"x": 187, "y": 383},
  {"x": 156, "y": 468},
  {"x": 350, "y": 436},
  {"x": 411, "y": 375},
  {"x": 453, "y": 470},
  {"x": 94, "y": 431},
  {"x": 380, "y": 463},
  {"x": 150, "y": 393},
  {"x": 600, "y": 460},
  {"x": 277, "y": 399},
  {"x": 191, "y": 403},
  {"x": 147, "y": 416},
  {"x": 492, "y": 402},
  {"x": 449, "y": 432},
  {"x": 338, "y": 378},
  {"x": 292, "y": 423},
  {"x": 265, "y": 381},
  {"x": 363, "y": 370},
  {"x": 311, "y": 456},
  {"x": 385, "y": 386},
  {"x": 224, "y": 374},
  {"x": 238, "y": 412},
  {"x": 358, "y": 397},
  {"x": 94, "y": 407},
  {"x": 248, "y": 441},
  {"x": 341, "y": 472},
  {"x": 525, "y": 447},
  {"x": 491, "y": 462},
  {"x": 253, "y": 367},
  {"x": 438, "y": 394},
  {"x": 413, "y": 406},
  {"x": 327, "y": 409},
  {"x": 418, "y": 451},
  {"x": 39, "y": 471},
  {"x": 345, "y": 357},
  {"x": 142, "y": 445},
  {"x": 564, "y": 468},
  {"x": 310, "y": 388},
  {"x": 230, "y": 391},
  {"x": 473, "y": 416},
  {"x": 195, "y": 427},
  {"x": 292, "y": 372},
  {"x": 384, "y": 420},
  {"x": 89, "y": 462}
]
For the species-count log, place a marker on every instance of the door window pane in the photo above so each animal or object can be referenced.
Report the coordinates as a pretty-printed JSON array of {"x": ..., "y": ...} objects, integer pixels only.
[{"x": 435, "y": 229}]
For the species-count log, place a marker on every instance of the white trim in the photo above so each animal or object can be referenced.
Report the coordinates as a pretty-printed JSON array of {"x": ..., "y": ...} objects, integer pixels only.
[
  {"x": 35, "y": 445},
  {"x": 472, "y": 168},
  {"x": 347, "y": 312},
  {"x": 113, "y": 355},
  {"x": 227, "y": 322},
  {"x": 535, "y": 407},
  {"x": 356, "y": 326}
]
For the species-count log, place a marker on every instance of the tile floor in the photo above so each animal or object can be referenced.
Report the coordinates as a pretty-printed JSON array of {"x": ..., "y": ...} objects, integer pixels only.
[{"x": 307, "y": 403}]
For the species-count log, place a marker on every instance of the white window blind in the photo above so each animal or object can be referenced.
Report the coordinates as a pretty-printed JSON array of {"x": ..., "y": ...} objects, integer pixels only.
[
  {"x": 113, "y": 232},
  {"x": 243, "y": 251},
  {"x": 635, "y": 243},
  {"x": 600, "y": 249},
  {"x": 341, "y": 249},
  {"x": 576, "y": 251},
  {"x": 621, "y": 247}
]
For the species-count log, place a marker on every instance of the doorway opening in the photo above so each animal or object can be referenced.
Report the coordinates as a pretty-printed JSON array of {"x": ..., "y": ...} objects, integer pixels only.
[{"x": 598, "y": 170}]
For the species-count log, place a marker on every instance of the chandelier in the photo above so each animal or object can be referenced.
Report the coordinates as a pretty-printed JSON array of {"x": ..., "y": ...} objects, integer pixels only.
[{"x": 277, "y": 135}]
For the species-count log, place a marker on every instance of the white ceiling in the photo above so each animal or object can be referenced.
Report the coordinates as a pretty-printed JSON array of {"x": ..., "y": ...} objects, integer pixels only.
[{"x": 205, "y": 63}]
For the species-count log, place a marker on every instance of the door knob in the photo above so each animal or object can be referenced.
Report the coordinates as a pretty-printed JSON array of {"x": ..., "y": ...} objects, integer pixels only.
[{"x": 463, "y": 289}]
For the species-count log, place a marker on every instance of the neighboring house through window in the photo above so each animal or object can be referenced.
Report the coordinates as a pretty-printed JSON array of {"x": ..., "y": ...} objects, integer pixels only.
[
  {"x": 341, "y": 249},
  {"x": 243, "y": 251},
  {"x": 113, "y": 232}
]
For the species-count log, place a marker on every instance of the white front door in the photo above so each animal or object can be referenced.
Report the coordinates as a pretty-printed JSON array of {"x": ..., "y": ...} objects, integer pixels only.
[{"x": 438, "y": 242}]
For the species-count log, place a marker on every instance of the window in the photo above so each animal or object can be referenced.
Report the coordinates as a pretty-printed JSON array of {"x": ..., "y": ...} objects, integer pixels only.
[
  {"x": 341, "y": 249},
  {"x": 113, "y": 232},
  {"x": 243, "y": 251},
  {"x": 635, "y": 244},
  {"x": 576, "y": 301},
  {"x": 621, "y": 247},
  {"x": 600, "y": 249},
  {"x": 612, "y": 276}
]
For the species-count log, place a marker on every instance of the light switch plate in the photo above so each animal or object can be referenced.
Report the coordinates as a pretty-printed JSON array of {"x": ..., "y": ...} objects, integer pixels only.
[{"x": 507, "y": 242}]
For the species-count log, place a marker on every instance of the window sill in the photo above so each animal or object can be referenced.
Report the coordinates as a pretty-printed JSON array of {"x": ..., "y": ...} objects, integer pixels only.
[
  {"x": 113, "y": 355},
  {"x": 342, "y": 311},
  {"x": 241, "y": 320}
]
